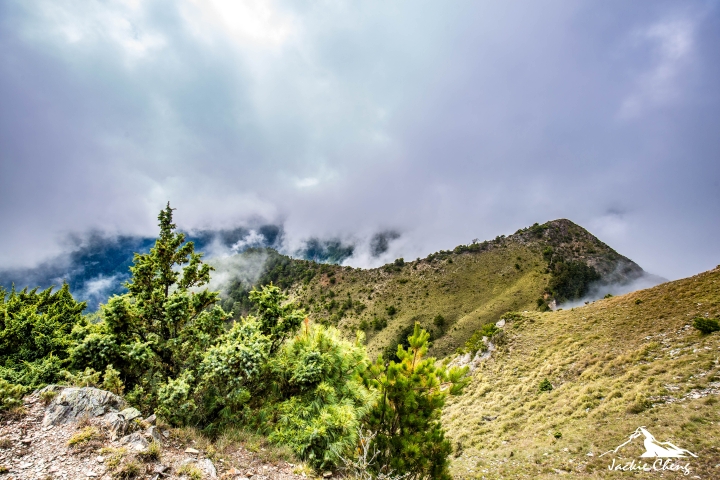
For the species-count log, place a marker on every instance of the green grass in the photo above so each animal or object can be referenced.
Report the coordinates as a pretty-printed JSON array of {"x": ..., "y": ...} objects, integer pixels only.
[{"x": 615, "y": 364}]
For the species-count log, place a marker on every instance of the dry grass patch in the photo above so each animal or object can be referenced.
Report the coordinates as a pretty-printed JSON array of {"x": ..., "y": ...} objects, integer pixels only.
[{"x": 614, "y": 364}]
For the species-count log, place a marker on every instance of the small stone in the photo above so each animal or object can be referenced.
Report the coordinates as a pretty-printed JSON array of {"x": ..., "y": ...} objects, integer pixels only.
[
  {"x": 153, "y": 433},
  {"x": 590, "y": 454},
  {"x": 90, "y": 473},
  {"x": 100, "y": 459},
  {"x": 166, "y": 434},
  {"x": 192, "y": 451},
  {"x": 327, "y": 474},
  {"x": 135, "y": 441},
  {"x": 25, "y": 465},
  {"x": 159, "y": 468},
  {"x": 131, "y": 414},
  {"x": 151, "y": 419}
]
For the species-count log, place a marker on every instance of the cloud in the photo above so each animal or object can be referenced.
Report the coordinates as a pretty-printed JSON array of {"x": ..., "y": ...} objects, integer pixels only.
[
  {"x": 671, "y": 44},
  {"x": 339, "y": 120}
]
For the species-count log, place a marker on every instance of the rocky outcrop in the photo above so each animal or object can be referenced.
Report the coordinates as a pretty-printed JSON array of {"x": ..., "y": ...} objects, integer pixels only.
[
  {"x": 73, "y": 403},
  {"x": 30, "y": 450}
]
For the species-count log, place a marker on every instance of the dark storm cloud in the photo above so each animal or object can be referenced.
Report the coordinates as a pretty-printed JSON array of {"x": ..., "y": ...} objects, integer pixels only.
[{"x": 446, "y": 122}]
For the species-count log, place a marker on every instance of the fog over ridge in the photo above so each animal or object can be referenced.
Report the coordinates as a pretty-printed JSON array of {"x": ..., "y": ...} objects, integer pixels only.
[{"x": 354, "y": 123}]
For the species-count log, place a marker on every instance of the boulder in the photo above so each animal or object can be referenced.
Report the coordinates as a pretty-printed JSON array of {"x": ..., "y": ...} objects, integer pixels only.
[
  {"x": 206, "y": 465},
  {"x": 73, "y": 403},
  {"x": 154, "y": 433},
  {"x": 135, "y": 441},
  {"x": 131, "y": 414}
]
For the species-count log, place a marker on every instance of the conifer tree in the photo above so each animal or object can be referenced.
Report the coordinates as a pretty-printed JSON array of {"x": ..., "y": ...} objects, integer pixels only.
[
  {"x": 162, "y": 326},
  {"x": 406, "y": 421}
]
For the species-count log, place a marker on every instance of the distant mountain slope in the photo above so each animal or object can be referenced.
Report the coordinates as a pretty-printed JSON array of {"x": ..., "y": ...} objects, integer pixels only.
[
  {"x": 97, "y": 266},
  {"x": 468, "y": 286},
  {"x": 614, "y": 365}
]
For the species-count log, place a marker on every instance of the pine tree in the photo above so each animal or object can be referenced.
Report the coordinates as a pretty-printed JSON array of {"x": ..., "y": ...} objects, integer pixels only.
[
  {"x": 406, "y": 421},
  {"x": 165, "y": 322}
]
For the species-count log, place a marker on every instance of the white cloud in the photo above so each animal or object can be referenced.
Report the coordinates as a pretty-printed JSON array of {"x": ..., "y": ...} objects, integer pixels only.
[{"x": 672, "y": 47}]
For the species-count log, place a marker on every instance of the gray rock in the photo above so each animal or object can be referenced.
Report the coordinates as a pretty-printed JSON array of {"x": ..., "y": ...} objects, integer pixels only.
[
  {"x": 154, "y": 433},
  {"x": 135, "y": 441},
  {"x": 131, "y": 414},
  {"x": 207, "y": 466},
  {"x": 73, "y": 403},
  {"x": 151, "y": 419}
]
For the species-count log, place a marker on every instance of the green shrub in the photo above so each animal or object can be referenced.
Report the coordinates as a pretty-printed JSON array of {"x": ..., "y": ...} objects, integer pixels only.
[
  {"x": 545, "y": 385},
  {"x": 84, "y": 436},
  {"x": 321, "y": 397},
  {"x": 11, "y": 394},
  {"x": 439, "y": 321},
  {"x": 112, "y": 381},
  {"x": 475, "y": 342},
  {"x": 35, "y": 334},
  {"x": 706, "y": 325},
  {"x": 86, "y": 378},
  {"x": 379, "y": 323},
  {"x": 391, "y": 310},
  {"x": 47, "y": 396}
]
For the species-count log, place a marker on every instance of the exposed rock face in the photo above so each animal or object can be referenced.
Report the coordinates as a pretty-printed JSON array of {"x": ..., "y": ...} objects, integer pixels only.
[{"x": 73, "y": 403}]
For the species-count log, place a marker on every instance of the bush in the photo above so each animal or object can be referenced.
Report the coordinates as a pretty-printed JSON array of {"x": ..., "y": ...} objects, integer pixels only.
[
  {"x": 391, "y": 310},
  {"x": 545, "y": 385},
  {"x": 439, "y": 321},
  {"x": 475, "y": 342},
  {"x": 706, "y": 325},
  {"x": 35, "y": 334},
  {"x": 379, "y": 323},
  {"x": 112, "y": 382},
  {"x": 11, "y": 394},
  {"x": 321, "y": 398},
  {"x": 86, "y": 378}
]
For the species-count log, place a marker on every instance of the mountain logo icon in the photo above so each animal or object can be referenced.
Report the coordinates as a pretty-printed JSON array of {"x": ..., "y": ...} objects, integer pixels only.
[{"x": 654, "y": 448}]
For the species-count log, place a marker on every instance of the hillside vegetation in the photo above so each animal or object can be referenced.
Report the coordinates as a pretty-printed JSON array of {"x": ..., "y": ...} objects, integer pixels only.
[
  {"x": 612, "y": 366},
  {"x": 453, "y": 293}
]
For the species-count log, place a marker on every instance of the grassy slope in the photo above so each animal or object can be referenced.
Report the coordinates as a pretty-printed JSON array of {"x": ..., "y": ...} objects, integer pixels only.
[
  {"x": 468, "y": 288},
  {"x": 603, "y": 359}
]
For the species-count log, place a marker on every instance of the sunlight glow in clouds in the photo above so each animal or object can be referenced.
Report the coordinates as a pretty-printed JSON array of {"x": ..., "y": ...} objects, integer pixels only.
[{"x": 441, "y": 121}]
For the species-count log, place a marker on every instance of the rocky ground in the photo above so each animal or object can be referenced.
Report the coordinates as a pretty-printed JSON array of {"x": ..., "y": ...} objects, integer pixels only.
[{"x": 83, "y": 433}]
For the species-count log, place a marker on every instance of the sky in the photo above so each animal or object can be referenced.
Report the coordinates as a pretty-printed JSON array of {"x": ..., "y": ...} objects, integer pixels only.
[{"x": 438, "y": 122}]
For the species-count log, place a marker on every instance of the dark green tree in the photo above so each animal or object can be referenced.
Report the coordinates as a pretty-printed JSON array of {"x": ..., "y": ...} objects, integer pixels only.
[
  {"x": 409, "y": 437},
  {"x": 165, "y": 322}
]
